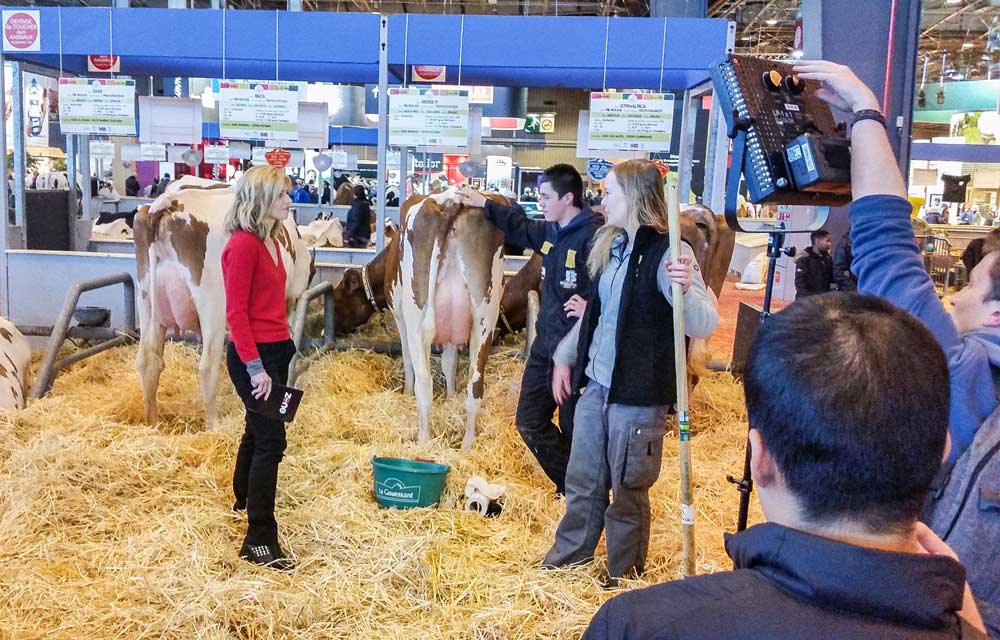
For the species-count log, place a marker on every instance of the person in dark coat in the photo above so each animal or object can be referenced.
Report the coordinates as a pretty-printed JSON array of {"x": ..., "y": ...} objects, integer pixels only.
[
  {"x": 359, "y": 220},
  {"x": 814, "y": 268},
  {"x": 132, "y": 186},
  {"x": 842, "y": 257},
  {"x": 325, "y": 199},
  {"x": 842, "y": 466}
]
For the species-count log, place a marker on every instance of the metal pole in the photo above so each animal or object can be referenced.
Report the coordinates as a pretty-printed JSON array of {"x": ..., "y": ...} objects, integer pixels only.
[
  {"x": 685, "y": 151},
  {"x": 71, "y": 171},
  {"x": 383, "y": 129},
  {"x": 680, "y": 364},
  {"x": 17, "y": 109},
  {"x": 84, "y": 169},
  {"x": 4, "y": 289}
]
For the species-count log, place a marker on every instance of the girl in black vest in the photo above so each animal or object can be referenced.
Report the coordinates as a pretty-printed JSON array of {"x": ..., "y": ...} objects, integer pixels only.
[{"x": 621, "y": 352}]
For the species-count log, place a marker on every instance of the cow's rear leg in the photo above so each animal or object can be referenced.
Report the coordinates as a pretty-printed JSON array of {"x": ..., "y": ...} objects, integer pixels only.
[
  {"x": 404, "y": 348},
  {"x": 149, "y": 363},
  {"x": 208, "y": 373},
  {"x": 449, "y": 363},
  {"x": 479, "y": 350}
]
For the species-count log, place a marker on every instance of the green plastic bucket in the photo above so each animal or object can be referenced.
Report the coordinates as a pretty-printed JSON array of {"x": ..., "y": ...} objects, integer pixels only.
[{"x": 406, "y": 484}]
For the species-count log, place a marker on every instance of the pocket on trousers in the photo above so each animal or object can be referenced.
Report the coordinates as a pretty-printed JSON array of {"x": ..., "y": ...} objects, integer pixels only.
[{"x": 643, "y": 456}]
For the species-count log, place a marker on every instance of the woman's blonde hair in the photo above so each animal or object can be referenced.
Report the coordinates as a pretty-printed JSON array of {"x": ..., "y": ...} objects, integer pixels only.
[
  {"x": 256, "y": 191},
  {"x": 642, "y": 185}
]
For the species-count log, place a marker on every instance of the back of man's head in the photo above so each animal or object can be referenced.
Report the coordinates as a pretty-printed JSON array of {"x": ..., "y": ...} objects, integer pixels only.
[
  {"x": 564, "y": 178},
  {"x": 819, "y": 234},
  {"x": 850, "y": 395}
]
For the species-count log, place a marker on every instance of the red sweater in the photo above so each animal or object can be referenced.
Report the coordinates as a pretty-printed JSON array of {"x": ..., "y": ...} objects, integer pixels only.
[{"x": 255, "y": 294}]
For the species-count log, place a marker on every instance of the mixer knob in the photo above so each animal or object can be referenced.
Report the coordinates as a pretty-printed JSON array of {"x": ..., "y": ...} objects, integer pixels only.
[
  {"x": 772, "y": 80},
  {"x": 794, "y": 84}
]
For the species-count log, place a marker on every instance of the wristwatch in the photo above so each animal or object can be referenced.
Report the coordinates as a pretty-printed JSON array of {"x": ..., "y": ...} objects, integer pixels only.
[{"x": 867, "y": 114}]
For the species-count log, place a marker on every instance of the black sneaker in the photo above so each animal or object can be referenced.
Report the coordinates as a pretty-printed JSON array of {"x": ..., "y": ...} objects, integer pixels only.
[{"x": 266, "y": 555}]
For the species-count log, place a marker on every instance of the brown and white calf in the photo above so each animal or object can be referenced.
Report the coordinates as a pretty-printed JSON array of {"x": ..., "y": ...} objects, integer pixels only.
[
  {"x": 444, "y": 286},
  {"x": 15, "y": 357},
  {"x": 179, "y": 239}
]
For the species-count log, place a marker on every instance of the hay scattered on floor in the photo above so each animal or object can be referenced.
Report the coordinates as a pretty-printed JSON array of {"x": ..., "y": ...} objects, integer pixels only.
[{"x": 114, "y": 529}]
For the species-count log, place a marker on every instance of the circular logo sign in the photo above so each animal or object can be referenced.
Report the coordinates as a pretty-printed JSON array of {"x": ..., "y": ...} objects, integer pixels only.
[
  {"x": 21, "y": 30},
  {"x": 103, "y": 63},
  {"x": 428, "y": 72}
]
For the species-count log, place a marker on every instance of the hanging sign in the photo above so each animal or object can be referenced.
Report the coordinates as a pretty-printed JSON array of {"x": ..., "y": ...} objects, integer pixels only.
[
  {"x": 338, "y": 159},
  {"x": 97, "y": 106},
  {"x": 277, "y": 157},
  {"x": 21, "y": 31},
  {"x": 104, "y": 64},
  {"x": 259, "y": 111},
  {"x": 598, "y": 169},
  {"x": 257, "y": 156},
  {"x": 216, "y": 153},
  {"x": 631, "y": 121},
  {"x": 153, "y": 151},
  {"x": 429, "y": 73},
  {"x": 102, "y": 149},
  {"x": 428, "y": 117}
]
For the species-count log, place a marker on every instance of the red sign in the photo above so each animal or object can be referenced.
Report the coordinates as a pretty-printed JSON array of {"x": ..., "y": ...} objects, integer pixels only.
[
  {"x": 664, "y": 169},
  {"x": 20, "y": 31},
  {"x": 428, "y": 73},
  {"x": 103, "y": 64},
  {"x": 277, "y": 157}
]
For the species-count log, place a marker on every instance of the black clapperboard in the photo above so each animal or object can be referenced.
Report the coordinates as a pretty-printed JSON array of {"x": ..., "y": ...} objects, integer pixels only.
[{"x": 281, "y": 404}]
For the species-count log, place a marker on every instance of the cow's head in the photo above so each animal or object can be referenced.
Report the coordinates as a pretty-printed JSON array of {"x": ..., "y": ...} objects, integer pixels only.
[{"x": 351, "y": 304}]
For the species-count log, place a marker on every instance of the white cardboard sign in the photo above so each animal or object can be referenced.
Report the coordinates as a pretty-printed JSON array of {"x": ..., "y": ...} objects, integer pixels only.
[
  {"x": 102, "y": 149},
  {"x": 216, "y": 153},
  {"x": 428, "y": 117},
  {"x": 259, "y": 111},
  {"x": 170, "y": 120},
  {"x": 102, "y": 106},
  {"x": 631, "y": 121},
  {"x": 153, "y": 151}
]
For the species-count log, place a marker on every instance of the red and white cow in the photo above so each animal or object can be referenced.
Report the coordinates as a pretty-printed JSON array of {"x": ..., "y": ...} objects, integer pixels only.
[
  {"x": 444, "y": 278},
  {"x": 15, "y": 357},
  {"x": 178, "y": 249}
]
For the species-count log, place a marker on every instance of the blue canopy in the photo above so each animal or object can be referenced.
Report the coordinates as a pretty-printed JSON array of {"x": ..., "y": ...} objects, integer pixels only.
[
  {"x": 515, "y": 51},
  {"x": 319, "y": 46}
]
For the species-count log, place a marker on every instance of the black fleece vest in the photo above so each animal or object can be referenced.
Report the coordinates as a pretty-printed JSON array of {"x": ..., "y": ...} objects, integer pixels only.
[{"x": 643, "y": 373}]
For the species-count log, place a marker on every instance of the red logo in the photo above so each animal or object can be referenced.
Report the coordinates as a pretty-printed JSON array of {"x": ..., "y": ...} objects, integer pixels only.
[
  {"x": 428, "y": 73},
  {"x": 103, "y": 63},
  {"x": 21, "y": 30},
  {"x": 277, "y": 157}
]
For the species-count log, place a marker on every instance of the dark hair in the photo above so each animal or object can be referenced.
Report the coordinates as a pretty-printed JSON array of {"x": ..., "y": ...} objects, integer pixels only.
[
  {"x": 564, "y": 179},
  {"x": 817, "y": 234},
  {"x": 360, "y": 192},
  {"x": 851, "y": 396}
]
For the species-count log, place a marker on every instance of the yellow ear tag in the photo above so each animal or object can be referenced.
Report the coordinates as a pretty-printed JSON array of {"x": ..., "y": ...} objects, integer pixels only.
[{"x": 546, "y": 247}]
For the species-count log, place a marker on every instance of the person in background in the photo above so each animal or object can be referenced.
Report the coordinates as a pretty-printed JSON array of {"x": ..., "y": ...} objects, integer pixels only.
[
  {"x": 132, "y": 186},
  {"x": 842, "y": 257},
  {"x": 326, "y": 193},
  {"x": 946, "y": 214},
  {"x": 259, "y": 351},
  {"x": 933, "y": 216},
  {"x": 300, "y": 195},
  {"x": 842, "y": 465},
  {"x": 359, "y": 219},
  {"x": 563, "y": 240},
  {"x": 814, "y": 268},
  {"x": 963, "y": 506},
  {"x": 622, "y": 352}
]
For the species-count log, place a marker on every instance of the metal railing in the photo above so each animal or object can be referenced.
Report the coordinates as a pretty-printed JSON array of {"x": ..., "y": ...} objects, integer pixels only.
[
  {"x": 302, "y": 343},
  {"x": 51, "y": 366}
]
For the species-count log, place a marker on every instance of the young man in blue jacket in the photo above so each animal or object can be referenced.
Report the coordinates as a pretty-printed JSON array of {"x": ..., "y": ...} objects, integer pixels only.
[
  {"x": 563, "y": 239},
  {"x": 888, "y": 263}
]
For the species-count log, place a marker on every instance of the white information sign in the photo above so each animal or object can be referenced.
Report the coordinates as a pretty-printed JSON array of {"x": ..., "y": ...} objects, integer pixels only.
[
  {"x": 428, "y": 117},
  {"x": 102, "y": 149},
  {"x": 631, "y": 121},
  {"x": 97, "y": 106},
  {"x": 216, "y": 153},
  {"x": 339, "y": 159},
  {"x": 257, "y": 155},
  {"x": 259, "y": 111},
  {"x": 153, "y": 151}
]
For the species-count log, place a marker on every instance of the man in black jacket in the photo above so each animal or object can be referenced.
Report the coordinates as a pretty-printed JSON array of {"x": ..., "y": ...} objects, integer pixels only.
[
  {"x": 358, "y": 232},
  {"x": 843, "y": 277},
  {"x": 842, "y": 465},
  {"x": 814, "y": 268},
  {"x": 564, "y": 242}
]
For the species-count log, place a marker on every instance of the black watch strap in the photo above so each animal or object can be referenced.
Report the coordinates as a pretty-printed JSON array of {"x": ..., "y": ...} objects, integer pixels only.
[{"x": 867, "y": 114}]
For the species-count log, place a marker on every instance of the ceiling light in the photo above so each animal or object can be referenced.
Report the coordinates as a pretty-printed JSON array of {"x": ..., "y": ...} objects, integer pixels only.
[
  {"x": 953, "y": 2},
  {"x": 772, "y": 22},
  {"x": 966, "y": 45}
]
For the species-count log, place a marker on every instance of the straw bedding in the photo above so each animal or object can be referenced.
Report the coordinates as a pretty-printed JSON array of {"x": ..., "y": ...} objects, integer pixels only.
[{"x": 114, "y": 529}]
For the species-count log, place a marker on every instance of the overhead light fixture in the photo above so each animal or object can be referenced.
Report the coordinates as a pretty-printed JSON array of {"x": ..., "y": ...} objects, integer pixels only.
[
  {"x": 953, "y": 2},
  {"x": 966, "y": 45},
  {"x": 747, "y": 38},
  {"x": 772, "y": 22}
]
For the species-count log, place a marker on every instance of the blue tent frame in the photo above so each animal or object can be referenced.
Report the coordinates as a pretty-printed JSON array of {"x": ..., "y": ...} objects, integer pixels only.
[{"x": 575, "y": 52}]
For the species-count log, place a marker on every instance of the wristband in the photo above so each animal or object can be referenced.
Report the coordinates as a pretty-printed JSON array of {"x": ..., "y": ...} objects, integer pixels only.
[{"x": 868, "y": 114}]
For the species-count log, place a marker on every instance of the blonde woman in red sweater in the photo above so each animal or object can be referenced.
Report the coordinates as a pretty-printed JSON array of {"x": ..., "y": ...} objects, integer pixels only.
[{"x": 260, "y": 349}]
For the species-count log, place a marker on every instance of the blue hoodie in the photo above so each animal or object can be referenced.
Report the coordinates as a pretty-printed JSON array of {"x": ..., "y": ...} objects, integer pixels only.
[{"x": 888, "y": 263}]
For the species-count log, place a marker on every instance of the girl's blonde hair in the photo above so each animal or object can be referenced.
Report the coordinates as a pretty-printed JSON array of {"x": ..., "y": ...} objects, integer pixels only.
[
  {"x": 256, "y": 191},
  {"x": 642, "y": 185}
]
